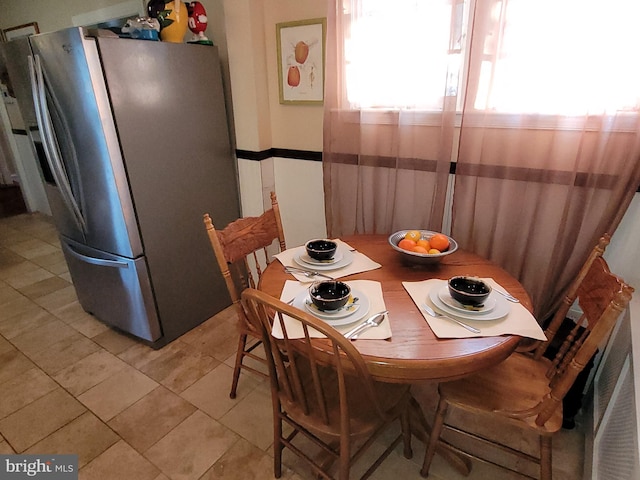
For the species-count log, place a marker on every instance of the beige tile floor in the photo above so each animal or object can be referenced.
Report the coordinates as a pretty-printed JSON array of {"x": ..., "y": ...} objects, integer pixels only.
[{"x": 69, "y": 384}]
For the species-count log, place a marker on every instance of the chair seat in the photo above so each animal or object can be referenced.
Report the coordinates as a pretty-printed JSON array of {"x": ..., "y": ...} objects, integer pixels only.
[{"x": 515, "y": 385}]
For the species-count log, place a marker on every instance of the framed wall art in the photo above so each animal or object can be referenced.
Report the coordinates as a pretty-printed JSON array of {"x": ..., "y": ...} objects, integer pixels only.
[
  {"x": 20, "y": 31},
  {"x": 301, "y": 61}
]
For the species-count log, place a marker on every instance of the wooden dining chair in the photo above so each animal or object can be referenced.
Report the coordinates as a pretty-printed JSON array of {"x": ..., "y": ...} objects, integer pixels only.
[
  {"x": 568, "y": 300},
  {"x": 241, "y": 251},
  {"x": 325, "y": 394},
  {"x": 527, "y": 389}
]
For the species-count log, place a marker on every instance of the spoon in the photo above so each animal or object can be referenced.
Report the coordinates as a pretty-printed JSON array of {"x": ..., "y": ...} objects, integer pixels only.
[
  {"x": 372, "y": 321},
  {"x": 307, "y": 273},
  {"x": 434, "y": 314}
]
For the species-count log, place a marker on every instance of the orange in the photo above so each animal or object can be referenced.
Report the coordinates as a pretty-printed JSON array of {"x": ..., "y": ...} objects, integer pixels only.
[
  {"x": 419, "y": 249},
  {"x": 424, "y": 243},
  {"x": 413, "y": 235},
  {"x": 406, "y": 244},
  {"x": 434, "y": 251},
  {"x": 439, "y": 242}
]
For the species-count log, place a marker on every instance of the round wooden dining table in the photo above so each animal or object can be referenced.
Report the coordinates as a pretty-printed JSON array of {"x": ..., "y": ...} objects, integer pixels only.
[{"x": 414, "y": 353}]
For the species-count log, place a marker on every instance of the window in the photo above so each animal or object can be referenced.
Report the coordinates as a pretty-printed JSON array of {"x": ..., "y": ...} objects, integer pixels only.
[
  {"x": 517, "y": 56},
  {"x": 397, "y": 53}
]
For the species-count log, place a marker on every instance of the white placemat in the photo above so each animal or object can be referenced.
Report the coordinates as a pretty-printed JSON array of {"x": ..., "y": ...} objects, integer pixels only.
[
  {"x": 373, "y": 291},
  {"x": 519, "y": 321},
  {"x": 361, "y": 263}
]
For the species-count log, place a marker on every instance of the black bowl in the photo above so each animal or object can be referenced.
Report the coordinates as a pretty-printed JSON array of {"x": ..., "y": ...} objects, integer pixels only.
[
  {"x": 329, "y": 294},
  {"x": 469, "y": 290},
  {"x": 321, "y": 249}
]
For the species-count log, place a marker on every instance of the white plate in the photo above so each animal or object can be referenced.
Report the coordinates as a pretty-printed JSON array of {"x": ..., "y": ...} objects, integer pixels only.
[
  {"x": 347, "y": 258},
  {"x": 312, "y": 261},
  {"x": 303, "y": 297},
  {"x": 449, "y": 301},
  {"x": 501, "y": 309},
  {"x": 349, "y": 309}
]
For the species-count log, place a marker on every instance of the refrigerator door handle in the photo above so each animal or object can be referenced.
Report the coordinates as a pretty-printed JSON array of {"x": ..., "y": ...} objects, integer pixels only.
[
  {"x": 92, "y": 260},
  {"x": 48, "y": 142},
  {"x": 36, "y": 102}
]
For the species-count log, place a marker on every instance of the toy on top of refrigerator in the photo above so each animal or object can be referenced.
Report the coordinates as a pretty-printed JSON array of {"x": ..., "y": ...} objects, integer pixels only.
[{"x": 198, "y": 23}]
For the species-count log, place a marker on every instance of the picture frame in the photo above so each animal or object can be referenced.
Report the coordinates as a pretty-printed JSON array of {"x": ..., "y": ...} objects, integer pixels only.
[
  {"x": 301, "y": 58},
  {"x": 20, "y": 31}
]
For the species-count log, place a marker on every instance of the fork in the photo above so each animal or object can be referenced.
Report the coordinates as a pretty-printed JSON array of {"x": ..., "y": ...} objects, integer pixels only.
[
  {"x": 306, "y": 273},
  {"x": 435, "y": 314}
]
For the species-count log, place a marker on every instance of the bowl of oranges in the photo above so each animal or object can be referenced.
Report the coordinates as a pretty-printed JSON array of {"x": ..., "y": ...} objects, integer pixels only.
[{"x": 422, "y": 246}]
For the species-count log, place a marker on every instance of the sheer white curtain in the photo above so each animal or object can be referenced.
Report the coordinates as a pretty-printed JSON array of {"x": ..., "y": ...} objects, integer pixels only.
[
  {"x": 385, "y": 162},
  {"x": 549, "y": 149},
  {"x": 535, "y": 103}
]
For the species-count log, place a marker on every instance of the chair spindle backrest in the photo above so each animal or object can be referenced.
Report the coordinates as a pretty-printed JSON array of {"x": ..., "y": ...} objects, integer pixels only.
[
  {"x": 602, "y": 297},
  {"x": 298, "y": 368}
]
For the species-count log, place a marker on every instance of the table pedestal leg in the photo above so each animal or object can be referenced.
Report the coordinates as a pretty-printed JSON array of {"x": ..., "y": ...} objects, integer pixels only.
[{"x": 421, "y": 429}]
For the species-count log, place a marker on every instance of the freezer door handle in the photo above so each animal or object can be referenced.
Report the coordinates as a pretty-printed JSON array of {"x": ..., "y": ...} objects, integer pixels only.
[
  {"x": 48, "y": 140},
  {"x": 92, "y": 260}
]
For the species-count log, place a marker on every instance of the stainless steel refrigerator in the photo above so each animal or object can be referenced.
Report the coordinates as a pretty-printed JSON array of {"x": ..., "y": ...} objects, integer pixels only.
[{"x": 133, "y": 144}]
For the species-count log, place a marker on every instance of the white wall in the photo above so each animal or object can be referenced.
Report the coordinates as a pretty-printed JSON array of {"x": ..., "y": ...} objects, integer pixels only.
[
  {"x": 623, "y": 254},
  {"x": 30, "y": 179},
  {"x": 301, "y": 195},
  {"x": 298, "y": 184},
  {"x": 25, "y": 162}
]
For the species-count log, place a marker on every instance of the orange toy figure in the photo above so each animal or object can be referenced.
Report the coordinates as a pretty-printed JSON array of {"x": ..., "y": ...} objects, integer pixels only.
[{"x": 198, "y": 23}]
